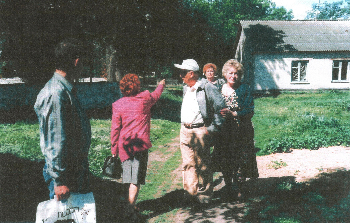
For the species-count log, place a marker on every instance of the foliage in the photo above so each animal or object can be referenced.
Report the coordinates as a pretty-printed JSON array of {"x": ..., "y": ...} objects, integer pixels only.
[
  {"x": 324, "y": 200},
  {"x": 278, "y": 13},
  {"x": 100, "y": 144},
  {"x": 22, "y": 139},
  {"x": 302, "y": 120},
  {"x": 275, "y": 164},
  {"x": 135, "y": 36},
  {"x": 291, "y": 120},
  {"x": 142, "y": 34},
  {"x": 329, "y": 11},
  {"x": 318, "y": 132},
  {"x": 223, "y": 17},
  {"x": 160, "y": 172}
]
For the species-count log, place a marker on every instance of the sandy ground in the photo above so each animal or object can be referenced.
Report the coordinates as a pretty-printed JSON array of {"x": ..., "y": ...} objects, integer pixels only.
[
  {"x": 301, "y": 165},
  {"x": 304, "y": 164}
]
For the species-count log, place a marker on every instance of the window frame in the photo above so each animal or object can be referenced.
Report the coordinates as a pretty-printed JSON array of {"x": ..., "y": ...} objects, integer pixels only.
[
  {"x": 298, "y": 67},
  {"x": 340, "y": 70}
]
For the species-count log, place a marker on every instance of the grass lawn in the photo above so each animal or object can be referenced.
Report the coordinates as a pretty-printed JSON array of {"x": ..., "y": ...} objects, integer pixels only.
[
  {"x": 291, "y": 120},
  {"x": 302, "y": 120}
]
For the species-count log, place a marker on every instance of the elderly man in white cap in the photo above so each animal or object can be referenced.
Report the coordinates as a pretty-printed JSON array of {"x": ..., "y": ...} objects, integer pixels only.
[{"x": 200, "y": 118}]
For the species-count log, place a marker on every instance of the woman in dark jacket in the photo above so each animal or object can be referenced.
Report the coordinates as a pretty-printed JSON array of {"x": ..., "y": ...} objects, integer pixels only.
[{"x": 235, "y": 156}]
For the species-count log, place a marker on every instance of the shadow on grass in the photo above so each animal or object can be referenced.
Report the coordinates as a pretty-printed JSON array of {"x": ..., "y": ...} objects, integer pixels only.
[
  {"x": 22, "y": 188},
  {"x": 324, "y": 199},
  {"x": 168, "y": 202},
  {"x": 20, "y": 113}
]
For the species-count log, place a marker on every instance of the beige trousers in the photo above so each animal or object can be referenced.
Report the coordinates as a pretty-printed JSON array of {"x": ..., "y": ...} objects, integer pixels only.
[{"x": 195, "y": 151}]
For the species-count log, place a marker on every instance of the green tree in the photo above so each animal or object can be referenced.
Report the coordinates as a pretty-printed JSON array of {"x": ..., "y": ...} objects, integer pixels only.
[
  {"x": 329, "y": 11},
  {"x": 140, "y": 36},
  {"x": 223, "y": 16},
  {"x": 132, "y": 36},
  {"x": 278, "y": 13}
]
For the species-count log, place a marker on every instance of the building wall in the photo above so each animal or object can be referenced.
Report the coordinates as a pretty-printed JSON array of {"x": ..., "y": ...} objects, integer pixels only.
[{"x": 273, "y": 71}]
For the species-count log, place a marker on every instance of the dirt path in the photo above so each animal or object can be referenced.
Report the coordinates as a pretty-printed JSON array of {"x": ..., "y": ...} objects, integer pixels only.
[
  {"x": 305, "y": 164},
  {"x": 304, "y": 183},
  {"x": 298, "y": 166}
]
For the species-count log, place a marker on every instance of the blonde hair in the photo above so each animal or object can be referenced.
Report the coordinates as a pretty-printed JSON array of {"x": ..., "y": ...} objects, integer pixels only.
[{"x": 235, "y": 64}]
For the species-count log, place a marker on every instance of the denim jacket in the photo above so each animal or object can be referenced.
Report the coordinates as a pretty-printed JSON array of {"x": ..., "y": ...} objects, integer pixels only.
[
  {"x": 210, "y": 103},
  {"x": 65, "y": 134}
]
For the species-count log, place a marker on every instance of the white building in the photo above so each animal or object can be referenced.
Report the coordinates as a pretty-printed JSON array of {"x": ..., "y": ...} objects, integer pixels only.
[{"x": 294, "y": 55}]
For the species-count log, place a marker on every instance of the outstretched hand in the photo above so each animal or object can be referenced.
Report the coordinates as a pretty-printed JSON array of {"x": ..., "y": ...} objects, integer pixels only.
[{"x": 162, "y": 82}]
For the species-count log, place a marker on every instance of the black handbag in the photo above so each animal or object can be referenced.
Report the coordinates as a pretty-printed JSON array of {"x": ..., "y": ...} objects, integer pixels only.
[{"x": 112, "y": 167}]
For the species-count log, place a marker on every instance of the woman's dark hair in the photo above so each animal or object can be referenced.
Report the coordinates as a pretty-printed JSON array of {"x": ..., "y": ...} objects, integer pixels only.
[
  {"x": 66, "y": 52},
  {"x": 130, "y": 85}
]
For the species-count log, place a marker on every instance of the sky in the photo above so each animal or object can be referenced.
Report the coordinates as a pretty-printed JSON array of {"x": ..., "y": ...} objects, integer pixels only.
[{"x": 300, "y": 7}]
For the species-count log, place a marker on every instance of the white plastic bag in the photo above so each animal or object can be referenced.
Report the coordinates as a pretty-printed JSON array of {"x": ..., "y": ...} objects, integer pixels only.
[{"x": 78, "y": 208}]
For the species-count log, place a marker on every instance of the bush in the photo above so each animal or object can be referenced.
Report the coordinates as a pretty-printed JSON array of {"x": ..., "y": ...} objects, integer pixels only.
[{"x": 315, "y": 132}]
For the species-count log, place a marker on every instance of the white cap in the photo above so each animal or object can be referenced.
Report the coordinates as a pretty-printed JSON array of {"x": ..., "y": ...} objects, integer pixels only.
[{"x": 189, "y": 64}]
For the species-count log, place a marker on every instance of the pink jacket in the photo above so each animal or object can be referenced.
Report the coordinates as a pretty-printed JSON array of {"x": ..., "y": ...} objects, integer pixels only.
[{"x": 131, "y": 120}]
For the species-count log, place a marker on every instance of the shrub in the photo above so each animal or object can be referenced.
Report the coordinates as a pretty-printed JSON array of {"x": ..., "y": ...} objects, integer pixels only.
[{"x": 309, "y": 131}]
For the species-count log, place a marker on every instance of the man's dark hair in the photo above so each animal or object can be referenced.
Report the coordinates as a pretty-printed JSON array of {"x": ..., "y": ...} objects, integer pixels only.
[{"x": 66, "y": 52}]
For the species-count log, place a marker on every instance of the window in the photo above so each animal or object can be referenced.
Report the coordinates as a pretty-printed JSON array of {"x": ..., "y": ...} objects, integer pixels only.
[
  {"x": 299, "y": 70},
  {"x": 340, "y": 70}
]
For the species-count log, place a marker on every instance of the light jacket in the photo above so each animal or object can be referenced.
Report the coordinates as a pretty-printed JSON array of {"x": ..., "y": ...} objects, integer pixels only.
[
  {"x": 65, "y": 134},
  {"x": 210, "y": 103}
]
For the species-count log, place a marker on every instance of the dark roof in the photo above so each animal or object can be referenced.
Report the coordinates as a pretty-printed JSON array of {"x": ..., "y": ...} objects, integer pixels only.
[{"x": 297, "y": 35}]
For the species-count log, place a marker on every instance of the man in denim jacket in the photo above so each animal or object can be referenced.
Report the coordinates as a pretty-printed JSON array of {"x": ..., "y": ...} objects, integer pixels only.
[
  {"x": 65, "y": 132},
  {"x": 200, "y": 118}
]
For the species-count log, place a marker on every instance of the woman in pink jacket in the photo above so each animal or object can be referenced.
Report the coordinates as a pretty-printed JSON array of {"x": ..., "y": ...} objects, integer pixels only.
[{"x": 130, "y": 132}]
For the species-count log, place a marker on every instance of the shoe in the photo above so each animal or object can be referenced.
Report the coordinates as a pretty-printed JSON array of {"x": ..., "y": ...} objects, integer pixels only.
[
  {"x": 134, "y": 215},
  {"x": 201, "y": 189}
]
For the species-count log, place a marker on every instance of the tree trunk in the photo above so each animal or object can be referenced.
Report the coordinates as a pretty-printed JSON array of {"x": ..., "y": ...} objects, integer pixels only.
[{"x": 113, "y": 73}]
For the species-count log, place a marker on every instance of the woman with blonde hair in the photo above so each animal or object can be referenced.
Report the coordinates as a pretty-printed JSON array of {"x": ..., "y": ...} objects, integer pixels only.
[
  {"x": 130, "y": 131},
  {"x": 236, "y": 155}
]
